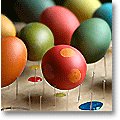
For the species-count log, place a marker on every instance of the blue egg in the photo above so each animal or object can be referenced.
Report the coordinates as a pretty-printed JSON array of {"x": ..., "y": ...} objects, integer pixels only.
[{"x": 105, "y": 13}]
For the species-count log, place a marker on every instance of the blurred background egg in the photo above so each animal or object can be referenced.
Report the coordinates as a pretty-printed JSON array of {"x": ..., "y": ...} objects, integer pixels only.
[
  {"x": 64, "y": 67},
  {"x": 7, "y": 27},
  {"x": 105, "y": 13},
  {"x": 92, "y": 38},
  {"x": 83, "y": 9},
  {"x": 13, "y": 59},
  {"x": 30, "y": 10},
  {"x": 38, "y": 38},
  {"x": 62, "y": 23}
]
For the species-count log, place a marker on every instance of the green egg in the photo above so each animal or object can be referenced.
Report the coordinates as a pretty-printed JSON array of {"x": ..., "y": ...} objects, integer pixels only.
[
  {"x": 92, "y": 38},
  {"x": 38, "y": 38}
]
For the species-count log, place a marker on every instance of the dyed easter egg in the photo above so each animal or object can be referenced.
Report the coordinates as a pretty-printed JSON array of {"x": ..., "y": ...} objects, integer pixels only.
[
  {"x": 38, "y": 38},
  {"x": 13, "y": 59},
  {"x": 30, "y": 10},
  {"x": 92, "y": 38},
  {"x": 83, "y": 9},
  {"x": 62, "y": 23},
  {"x": 7, "y": 27},
  {"x": 105, "y": 13},
  {"x": 64, "y": 67}
]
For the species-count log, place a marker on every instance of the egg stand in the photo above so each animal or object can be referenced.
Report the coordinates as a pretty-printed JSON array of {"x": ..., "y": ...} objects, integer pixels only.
[
  {"x": 16, "y": 95},
  {"x": 43, "y": 86},
  {"x": 91, "y": 97},
  {"x": 35, "y": 78},
  {"x": 55, "y": 101},
  {"x": 55, "y": 96},
  {"x": 67, "y": 100},
  {"x": 16, "y": 88},
  {"x": 80, "y": 86},
  {"x": 8, "y": 88},
  {"x": 91, "y": 93},
  {"x": 34, "y": 67},
  {"x": 79, "y": 92},
  {"x": 105, "y": 71},
  {"x": 90, "y": 106},
  {"x": 4, "y": 108},
  {"x": 104, "y": 81},
  {"x": 31, "y": 67},
  {"x": 29, "y": 98}
]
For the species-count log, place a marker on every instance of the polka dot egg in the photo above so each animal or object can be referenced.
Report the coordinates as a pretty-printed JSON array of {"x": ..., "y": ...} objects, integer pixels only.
[{"x": 64, "y": 67}]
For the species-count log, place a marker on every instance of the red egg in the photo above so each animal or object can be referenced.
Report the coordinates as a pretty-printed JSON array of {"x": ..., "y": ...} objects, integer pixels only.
[
  {"x": 64, "y": 67},
  {"x": 62, "y": 23}
]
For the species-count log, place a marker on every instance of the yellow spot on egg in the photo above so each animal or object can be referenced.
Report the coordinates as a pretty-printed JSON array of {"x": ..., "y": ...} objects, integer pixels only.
[
  {"x": 67, "y": 52},
  {"x": 74, "y": 76}
]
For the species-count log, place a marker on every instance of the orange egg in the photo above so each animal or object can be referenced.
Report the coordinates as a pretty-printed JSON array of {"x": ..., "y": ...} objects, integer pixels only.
[{"x": 13, "y": 59}]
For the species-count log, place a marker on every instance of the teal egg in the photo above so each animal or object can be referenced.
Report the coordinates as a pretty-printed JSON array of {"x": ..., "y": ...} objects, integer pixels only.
[
  {"x": 38, "y": 39},
  {"x": 92, "y": 38},
  {"x": 30, "y": 10},
  {"x": 105, "y": 13}
]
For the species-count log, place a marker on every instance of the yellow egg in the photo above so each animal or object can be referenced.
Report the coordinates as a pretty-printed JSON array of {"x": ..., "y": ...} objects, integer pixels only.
[
  {"x": 83, "y": 9},
  {"x": 7, "y": 27}
]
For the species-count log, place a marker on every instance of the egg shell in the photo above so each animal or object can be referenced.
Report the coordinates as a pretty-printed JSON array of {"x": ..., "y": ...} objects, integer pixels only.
[
  {"x": 62, "y": 23},
  {"x": 30, "y": 10},
  {"x": 64, "y": 67},
  {"x": 38, "y": 38},
  {"x": 105, "y": 13},
  {"x": 7, "y": 27},
  {"x": 92, "y": 38},
  {"x": 13, "y": 59},
  {"x": 83, "y": 9}
]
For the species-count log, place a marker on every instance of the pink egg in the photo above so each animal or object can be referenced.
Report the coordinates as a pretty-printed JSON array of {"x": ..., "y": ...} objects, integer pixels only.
[{"x": 62, "y": 23}]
